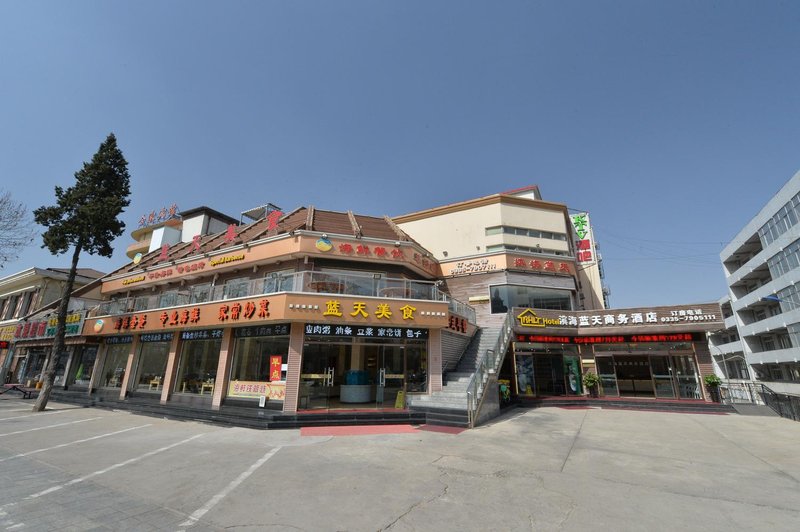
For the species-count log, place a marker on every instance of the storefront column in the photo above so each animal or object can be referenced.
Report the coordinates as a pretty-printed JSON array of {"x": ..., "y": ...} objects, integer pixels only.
[
  {"x": 435, "y": 359},
  {"x": 705, "y": 366},
  {"x": 123, "y": 391},
  {"x": 99, "y": 363},
  {"x": 74, "y": 349},
  {"x": 293, "y": 368},
  {"x": 223, "y": 369},
  {"x": 172, "y": 367}
]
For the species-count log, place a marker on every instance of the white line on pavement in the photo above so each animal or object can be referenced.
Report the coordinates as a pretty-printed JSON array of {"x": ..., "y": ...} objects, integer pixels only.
[
  {"x": 113, "y": 467},
  {"x": 50, "y": 426},
  {"x": 20, "y": 455},
  {"x": 36, "y": 414},
  {"x": 200, "y": 512}
]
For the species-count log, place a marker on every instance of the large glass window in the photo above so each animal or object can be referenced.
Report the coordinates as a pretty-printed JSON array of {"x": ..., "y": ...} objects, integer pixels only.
[
  {"x": 114, "y": 366},
  {"x": 200, "y": 293},
  {"x": 251, "y": 357},
  {"x": 505, "y": 297},
  {"x": 83, "y": 366},
  {"x": 197, "y": 370},
  {"x": 236, "y": 288},
  {"x": 416, "y": 368},
  {"x": 152, "y": 365},
  {"x": 282, "y": 281}
]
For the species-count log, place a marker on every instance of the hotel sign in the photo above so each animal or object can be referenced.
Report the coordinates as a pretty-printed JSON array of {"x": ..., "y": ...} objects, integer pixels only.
[
  {"x": 701, "y": 317},
  {"x": 528, "y": 318}
]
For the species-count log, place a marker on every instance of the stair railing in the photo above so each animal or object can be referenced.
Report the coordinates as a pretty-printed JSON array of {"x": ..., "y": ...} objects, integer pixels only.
[
  {"x": 784, "y": 405},
  {"x": 488, "y": 364}
]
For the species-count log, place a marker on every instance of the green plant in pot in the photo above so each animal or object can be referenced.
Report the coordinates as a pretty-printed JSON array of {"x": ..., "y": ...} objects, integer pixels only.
[
  {"x": 591, "y": 382},
  {"x": 712, "y": 383}
]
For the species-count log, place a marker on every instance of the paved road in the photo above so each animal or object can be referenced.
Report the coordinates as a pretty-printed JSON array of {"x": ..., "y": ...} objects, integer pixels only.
[{"x": 549, "y": 469}]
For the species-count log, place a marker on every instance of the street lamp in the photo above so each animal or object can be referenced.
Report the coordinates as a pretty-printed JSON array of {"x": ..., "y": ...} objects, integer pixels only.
[{"x": 774, "y": 298}]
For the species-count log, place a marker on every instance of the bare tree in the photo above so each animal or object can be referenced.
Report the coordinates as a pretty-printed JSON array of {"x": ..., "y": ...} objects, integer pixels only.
[{"x": 16, "y": 228}]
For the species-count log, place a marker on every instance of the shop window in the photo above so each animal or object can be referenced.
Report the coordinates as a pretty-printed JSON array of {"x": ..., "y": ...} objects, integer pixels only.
[
  {"x": 252, "y": 357},
  {"x": 152, "y": 365},
  {"x": 197, "y": 370},
  {"x": 416, "y": 369},
  {"x": 83, "y": 366},
  {"x": 116, "y": 361}
]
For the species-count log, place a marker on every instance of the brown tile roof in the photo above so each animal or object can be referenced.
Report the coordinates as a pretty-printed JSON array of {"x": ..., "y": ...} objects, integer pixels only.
[{"x": 309, "y": 218}]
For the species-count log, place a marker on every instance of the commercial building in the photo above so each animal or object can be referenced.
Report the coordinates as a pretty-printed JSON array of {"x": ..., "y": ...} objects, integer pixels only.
[
  {"x": 20, "y": 294},
  {"x": 309, "y": 310},
  {"x": 762, "y": 271},
  {"x": 317, "y": 311}
]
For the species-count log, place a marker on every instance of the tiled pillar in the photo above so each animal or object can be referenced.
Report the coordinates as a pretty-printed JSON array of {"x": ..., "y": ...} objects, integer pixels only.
[
  {"x": 293, "y": 368},
  {"x": 172, "y": 367},
  {"x": 123, "y": 391},
  {"x": 435, "y": 360},
  {"x": 223, "y": 369},
  {"x": 99, "y": 362}
]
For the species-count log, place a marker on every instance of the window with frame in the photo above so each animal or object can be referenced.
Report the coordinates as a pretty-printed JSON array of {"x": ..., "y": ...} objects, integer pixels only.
[{"x": 234, "y": 288}]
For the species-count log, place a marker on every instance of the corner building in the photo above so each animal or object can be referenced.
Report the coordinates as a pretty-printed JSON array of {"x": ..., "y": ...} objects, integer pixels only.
[{"x": 313, "y": 310}]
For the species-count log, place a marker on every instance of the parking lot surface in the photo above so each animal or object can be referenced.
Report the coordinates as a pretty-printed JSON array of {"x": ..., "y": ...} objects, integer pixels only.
[{"x": 73, "y": 468}]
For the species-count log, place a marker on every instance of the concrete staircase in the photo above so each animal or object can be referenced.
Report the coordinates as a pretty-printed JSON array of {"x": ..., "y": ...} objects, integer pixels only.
[{"x": 449, "y": 406}]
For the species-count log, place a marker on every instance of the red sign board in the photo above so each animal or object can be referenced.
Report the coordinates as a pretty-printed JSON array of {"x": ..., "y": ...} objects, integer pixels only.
[{"x": 275, "y": 362}]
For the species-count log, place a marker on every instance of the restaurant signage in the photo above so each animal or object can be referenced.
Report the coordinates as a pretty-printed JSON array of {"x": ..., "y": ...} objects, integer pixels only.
[
  {"x": 366, "y": 332},
  {"x": 255, "y": 389},
  {"x": 206, "y": 334},
  {"x": 157, "y": 337},
  {"x": 47, "y": 328},
  {"x": 281, "y": 329},
  {"x": 124, "y": 339}
]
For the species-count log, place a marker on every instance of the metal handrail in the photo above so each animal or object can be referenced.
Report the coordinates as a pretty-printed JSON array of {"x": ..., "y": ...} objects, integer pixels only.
[
  {"x": 366, "y": 285},
  {"x": 489, "y": 363}
]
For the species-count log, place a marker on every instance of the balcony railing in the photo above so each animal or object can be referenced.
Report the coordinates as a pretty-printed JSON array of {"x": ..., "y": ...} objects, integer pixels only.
[{"x": 365, "y": 285}]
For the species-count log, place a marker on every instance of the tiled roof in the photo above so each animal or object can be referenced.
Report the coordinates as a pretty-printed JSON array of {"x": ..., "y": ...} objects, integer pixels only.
[{"x": 309, "y": 218}]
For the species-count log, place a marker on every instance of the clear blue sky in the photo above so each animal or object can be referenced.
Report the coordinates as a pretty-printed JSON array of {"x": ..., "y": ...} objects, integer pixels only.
[{"x": 671, "y": 122}]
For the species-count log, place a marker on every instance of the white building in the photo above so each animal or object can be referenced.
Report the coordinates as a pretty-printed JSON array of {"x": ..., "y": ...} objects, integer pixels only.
[{"x": 762, "y": 269}]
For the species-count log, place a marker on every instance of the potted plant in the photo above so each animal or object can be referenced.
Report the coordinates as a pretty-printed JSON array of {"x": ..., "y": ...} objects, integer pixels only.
[
  {"x": 591, "y": 382},
  {"x": 712, "y": 383}
]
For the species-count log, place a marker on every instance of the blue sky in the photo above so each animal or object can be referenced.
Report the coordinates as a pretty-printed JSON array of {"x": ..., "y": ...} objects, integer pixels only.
[{"x": 671, "y": 122}]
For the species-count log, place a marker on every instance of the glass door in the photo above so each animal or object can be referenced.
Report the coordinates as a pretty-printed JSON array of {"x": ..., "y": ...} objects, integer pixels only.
[
  {"x": 317, "y": 376},
  {"x": 390, "y": 381},
  {"x": 607, "y": 374},
  {"x": 662, "y": 377},
  {"x": 686, "y": 377}
]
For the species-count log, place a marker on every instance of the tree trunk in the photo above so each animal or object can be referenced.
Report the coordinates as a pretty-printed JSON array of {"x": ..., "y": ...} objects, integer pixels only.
[{"x": 49, "y": 372}]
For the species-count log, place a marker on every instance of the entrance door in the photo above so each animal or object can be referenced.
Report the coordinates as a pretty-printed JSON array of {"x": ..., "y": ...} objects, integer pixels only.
[
  {"x": 662, "y": 377},
  {"x": 317, "y": 376},
  {"x": 608, "y": 377},
  {"x": 686, "y": 377},
  {"x": 633, "y": 376},
  {"x": 390, "y": 381}
]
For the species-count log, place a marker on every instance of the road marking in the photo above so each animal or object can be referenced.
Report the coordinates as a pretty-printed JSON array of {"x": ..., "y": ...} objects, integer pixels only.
[
  {"x": 200, "y": 512},
  {"x": 50, "y": 426},
  {"x": 36, "y": 414},
  {"x": 112, "y": 467},
  {"x": 20, "y": 455}
]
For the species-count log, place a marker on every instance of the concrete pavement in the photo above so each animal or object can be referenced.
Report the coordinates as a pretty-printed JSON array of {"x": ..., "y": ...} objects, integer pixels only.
[{"x": 547, "y": 469}]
